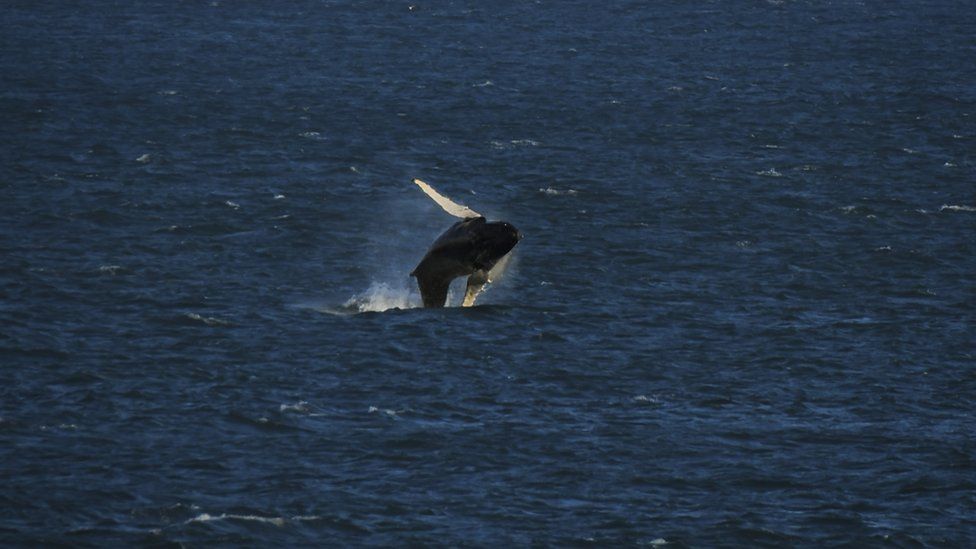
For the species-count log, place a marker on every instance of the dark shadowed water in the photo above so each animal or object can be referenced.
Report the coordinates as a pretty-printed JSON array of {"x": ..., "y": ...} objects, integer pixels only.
[{"x": 742, "y": 314}]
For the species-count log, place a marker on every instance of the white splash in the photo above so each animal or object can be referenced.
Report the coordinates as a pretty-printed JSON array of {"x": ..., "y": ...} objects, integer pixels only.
[{"x": 381, "y": 297}]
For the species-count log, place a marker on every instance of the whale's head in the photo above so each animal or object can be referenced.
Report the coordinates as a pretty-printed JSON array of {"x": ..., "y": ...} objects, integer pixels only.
[{"x": 500, "y": 238}]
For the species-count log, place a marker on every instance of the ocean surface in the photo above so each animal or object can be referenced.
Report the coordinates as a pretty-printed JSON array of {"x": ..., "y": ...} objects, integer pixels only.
[{"x": 743, "y": 313}]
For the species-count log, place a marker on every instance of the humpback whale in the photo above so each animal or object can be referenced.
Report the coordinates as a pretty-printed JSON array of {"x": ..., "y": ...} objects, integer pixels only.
[{"x": 472, "y": 247}]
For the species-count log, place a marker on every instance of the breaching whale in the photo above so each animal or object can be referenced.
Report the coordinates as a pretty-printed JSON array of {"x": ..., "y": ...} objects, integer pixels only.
[{"x": 472, "y": 247}]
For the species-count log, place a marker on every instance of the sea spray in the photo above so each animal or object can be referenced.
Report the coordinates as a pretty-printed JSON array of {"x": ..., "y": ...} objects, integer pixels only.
[{"x": 380, "y": 296}]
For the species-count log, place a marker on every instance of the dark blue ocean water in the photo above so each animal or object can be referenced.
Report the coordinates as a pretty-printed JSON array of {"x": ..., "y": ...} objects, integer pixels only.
[{"x": 742, "y": 314}]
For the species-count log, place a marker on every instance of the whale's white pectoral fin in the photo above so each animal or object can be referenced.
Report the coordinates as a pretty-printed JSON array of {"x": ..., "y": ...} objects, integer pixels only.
[
  {"x": 476, "y": 283},
  {"x": 447, "y": 204}
]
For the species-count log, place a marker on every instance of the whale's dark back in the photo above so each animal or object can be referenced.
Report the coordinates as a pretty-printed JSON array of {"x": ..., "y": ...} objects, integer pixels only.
[{"x": 468, "y": 246}]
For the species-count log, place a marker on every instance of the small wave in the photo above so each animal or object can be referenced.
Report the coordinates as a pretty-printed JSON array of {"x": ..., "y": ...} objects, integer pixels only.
[
  {"x": 503, "y": 145},
  {"x": 110, "y": 269},
  {"x": 300, "y": 407},
  {"x": 277, "y": 521},
  {"x": 208, "y": 320},
  {"x": 957, "y": 208},
  {"x": 60, "y": 427},
  {"x": 385, "y": 411},
  {"x": 144, "y": 159},
  {"x": 553, "y": 192}
]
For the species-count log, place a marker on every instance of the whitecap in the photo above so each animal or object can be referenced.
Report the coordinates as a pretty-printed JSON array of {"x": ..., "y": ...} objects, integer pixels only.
[
  {"x": 554, "y": 192},
  {"x": 300, "y": 406},
  {"x": 61, "y": 427},
  {"x": 771, "y": 172},
  {"x": 208, "y": 320},
  {"x": 526, "y": 142},
  {"x": 276, "y": 521},
  {"x": 957, "y": 208},
  {"x": 232, "y": 204},
  {"x": 513, "y": 143},
  {"x": 385, "y": 411},
  {"x": 144, "y": 158},
  {"x": 110, "y": 269}
]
